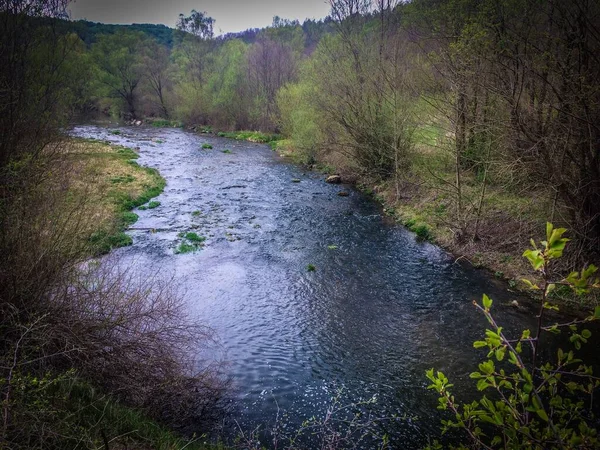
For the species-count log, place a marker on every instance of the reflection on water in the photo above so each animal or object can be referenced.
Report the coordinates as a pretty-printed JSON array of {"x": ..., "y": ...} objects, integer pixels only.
[{"x": 379, "y": 310}]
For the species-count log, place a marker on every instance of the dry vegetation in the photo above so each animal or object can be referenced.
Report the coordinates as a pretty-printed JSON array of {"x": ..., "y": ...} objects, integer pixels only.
[{"x": 84, "y": 340}]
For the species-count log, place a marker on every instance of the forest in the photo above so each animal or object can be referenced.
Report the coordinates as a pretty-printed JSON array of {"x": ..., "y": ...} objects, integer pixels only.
[{"x": 473, "y": 122}]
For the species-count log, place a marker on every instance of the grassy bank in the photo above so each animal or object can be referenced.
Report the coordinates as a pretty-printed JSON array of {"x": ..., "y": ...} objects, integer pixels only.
[{"x": 112, "y": 184}]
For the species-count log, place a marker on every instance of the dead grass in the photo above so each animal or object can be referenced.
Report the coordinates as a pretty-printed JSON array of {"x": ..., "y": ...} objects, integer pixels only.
[{"x": 110, "y": 183}]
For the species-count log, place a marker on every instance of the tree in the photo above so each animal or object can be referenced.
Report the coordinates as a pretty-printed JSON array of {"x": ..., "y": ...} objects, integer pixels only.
[
  {"x": 156, "y": 65},
  {"x": 120, "y": 64},
  {"x": 197, "y": 24}
]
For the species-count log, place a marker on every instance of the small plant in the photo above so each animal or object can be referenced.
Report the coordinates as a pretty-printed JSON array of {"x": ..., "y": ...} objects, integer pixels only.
[
  {"x": 193, "y": 237},
  {"x": 332, "y": 247},
  {"x": 311, "y": 268},
  {"x": 196, "y": 213},
  {"x": 422, "y": 232},
  {"x": 115, "y": 132},
  {"x": 191, "y": 242},
  {"x": 207, "y": 146},
  {"x": 127, "y": 218},
  {"x": 530, "y": 403},
  {"x": 153, "y": 204},
  {"x": 226, "y": 151},
  {"x": 185, "y": 247}
]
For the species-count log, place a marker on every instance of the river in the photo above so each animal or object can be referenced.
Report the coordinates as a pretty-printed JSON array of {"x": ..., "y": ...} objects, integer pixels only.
[{"x": 379, "y": 309}]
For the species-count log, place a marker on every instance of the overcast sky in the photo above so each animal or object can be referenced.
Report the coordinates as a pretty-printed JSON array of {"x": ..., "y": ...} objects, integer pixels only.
[{"x": 230, "y": 15}]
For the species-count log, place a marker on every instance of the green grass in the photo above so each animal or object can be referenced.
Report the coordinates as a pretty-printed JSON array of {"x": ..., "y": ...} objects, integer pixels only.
[
  {"x": 191, "y": 242},
  {"x": 184, "y": 247},
  {"x": 164, "y": 123},
  {"x": 311, "y": 268},
  {"x": 115, "y": 132},
  {"x": 252, "y": 136},
  {"x": 193, "y": 237},
  {"x": 123, "y": 179},
  {"x": 153, "y": 204},
  {"x": 207, "y": 146},
  {"x": 76, "y": 414},
  {"x": 127, "y": 191},
  {"x": 226, "y": 151},
  {"x": 104, "y": 242}
]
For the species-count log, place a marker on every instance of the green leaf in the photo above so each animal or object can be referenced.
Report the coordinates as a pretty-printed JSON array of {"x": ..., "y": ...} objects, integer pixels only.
[
  {"x": 529, "y": 284},
  {"x": 487, "y": 302},
  {"x": 540, "y": 412},
  {"x": 500, "y": 353},
  {"x": 479, "y": 344},
  {"x": 586, "y": 334},
  {"x": 535, "y": 258},
  {"x": 549, "y": 228}
]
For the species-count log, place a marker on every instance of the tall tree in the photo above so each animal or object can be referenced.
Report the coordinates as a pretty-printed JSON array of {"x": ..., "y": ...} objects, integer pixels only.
[{"x": 120, "y": 63}]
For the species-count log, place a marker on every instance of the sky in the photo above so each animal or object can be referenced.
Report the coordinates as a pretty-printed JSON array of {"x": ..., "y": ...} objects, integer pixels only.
[{"x": 229, "y": 15}]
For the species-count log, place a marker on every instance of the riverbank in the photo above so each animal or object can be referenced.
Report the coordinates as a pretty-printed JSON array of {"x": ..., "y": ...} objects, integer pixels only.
[
  {"x": 505, "y": 226},
  {"x": 113, "y": 184}
]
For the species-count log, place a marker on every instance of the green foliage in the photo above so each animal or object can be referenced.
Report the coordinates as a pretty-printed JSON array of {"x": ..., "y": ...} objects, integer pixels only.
[
  {"x": 251, "y": 136},
  {"x": 311, "y": 268},
  {"x": 153, "y": 204},
  {"x": 120, "y": 69},
  {"x": 191, "y": 242},
  {"x": 164, "y": 123},
  {"x": 207, "y": 146},
  {"x": 529, "y": 402}
]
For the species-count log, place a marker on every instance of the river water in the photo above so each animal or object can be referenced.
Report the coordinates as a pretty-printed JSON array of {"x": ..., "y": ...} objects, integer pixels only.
[{"x": 379, "y": 310}]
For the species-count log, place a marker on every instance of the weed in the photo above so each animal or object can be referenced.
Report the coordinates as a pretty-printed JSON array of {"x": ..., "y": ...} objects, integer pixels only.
[
  {"x": 207, "y": 146},
  {"x": 153, "y": 204},
  {"x": 311, "y": 268},
  {"x": 103, "y": 242},
  {"x": 196, "y": 213},
  {"x": 116, "y": 132},
  {"x": 422, "y": 232},
  {"x": 332, "y": 247},
  {"x": 226, "y": 151},
  {"x": 184, "y": 247},
  {"x": 499, "y": 274},
  {"x": 127, "y": 218},
  {"x": 193, "y": 237}
]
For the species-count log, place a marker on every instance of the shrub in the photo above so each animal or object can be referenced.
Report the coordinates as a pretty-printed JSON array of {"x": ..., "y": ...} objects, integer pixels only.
[{"x": 528, "y": 402}]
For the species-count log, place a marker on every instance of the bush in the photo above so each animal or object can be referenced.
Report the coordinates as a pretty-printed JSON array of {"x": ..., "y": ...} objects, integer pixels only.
[{"x": 529, "y": 403}]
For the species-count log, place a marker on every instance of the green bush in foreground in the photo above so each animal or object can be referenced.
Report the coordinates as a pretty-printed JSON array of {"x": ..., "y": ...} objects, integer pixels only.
[{"x": 530, "y": 403}]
